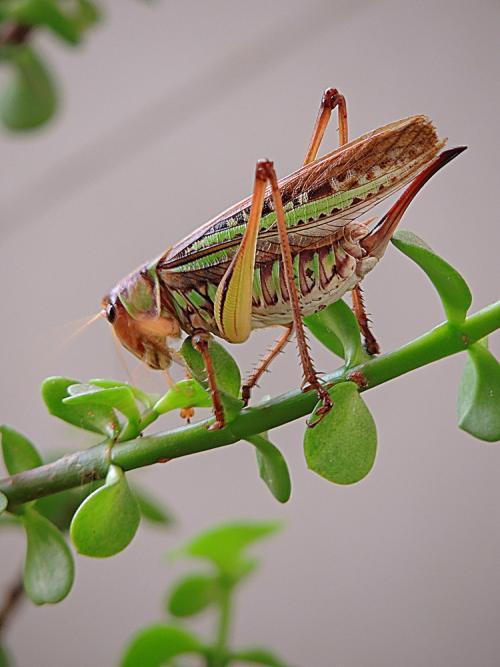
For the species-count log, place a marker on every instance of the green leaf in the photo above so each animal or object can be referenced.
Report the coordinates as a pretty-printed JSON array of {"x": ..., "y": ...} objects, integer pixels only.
[
  {"x": 44, "y": 13},
  {"x": 451, "y": 287},
  {"x": 342, "y": 446},
  {"x": 59, "y": 508},
  {"x": 87, "y": 15},
  {"x": 156, "y": 644},
  {"x": 272, "y": 467},
  {"x": 227, "y": 373},
  {"x": 258, "y": 656},
  {"x": 19, "y": 453},
  {"x": 479, "y": 395},
  {"x": 152, "y": 509},
  {"x": 4, "y": 657},
  {"x": 336, "y": 327},
  {"x": 118, "y": 398},
  {"x": 29, "y": 99},
  {"x": 96, "y": 418},
  {"x": 107, "y": 520},
  {"x": 3, "y": 502},
  {"x": 193, "y": 594},
  {"x": 148, "y": 400},
  {"x": 224, "y": 545},
  {"x": 184, "y": 394},
  {"x": 49, "y": 569}
]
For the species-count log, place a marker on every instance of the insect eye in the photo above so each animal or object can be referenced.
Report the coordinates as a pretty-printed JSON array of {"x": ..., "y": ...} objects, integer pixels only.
[{"x": 111, "y": 313}]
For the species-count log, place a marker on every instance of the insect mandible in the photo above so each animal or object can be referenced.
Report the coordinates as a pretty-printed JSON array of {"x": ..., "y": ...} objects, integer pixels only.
[{"x": 290, "y": 249}]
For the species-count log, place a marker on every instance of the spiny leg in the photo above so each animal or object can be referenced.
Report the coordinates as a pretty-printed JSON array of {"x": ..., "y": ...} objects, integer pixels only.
[
  {"x": 330, "y": 100},
  {"x": 264, "y": 363},
  {"x": 200, "y": 343},
  {"x": 310, "y": 376},
  {"x": 358, "y": 306}
]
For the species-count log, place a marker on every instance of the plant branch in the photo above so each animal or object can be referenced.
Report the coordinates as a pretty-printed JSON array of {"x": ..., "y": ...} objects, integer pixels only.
[
  {"x": 13, "y": 597},
  {"x": 82, "y": 467}
]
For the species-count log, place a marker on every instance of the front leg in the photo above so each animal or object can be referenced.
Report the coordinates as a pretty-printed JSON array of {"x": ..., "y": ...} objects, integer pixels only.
[{"x": 200, "y": 343}]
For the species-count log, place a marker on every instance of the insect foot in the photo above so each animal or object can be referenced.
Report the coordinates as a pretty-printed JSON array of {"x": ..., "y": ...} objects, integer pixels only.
[{"x": 326, "y": 403}]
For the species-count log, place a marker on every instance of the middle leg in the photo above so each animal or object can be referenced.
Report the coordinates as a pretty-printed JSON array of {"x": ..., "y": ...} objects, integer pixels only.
[{"x": 265, "y": 363}]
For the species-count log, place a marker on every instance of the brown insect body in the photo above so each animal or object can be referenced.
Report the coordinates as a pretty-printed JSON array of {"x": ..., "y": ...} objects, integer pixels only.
[{"x": 330, "y": 251}]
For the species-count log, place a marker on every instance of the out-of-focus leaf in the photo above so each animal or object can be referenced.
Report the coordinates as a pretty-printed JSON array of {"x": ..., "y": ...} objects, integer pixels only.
[
  {"x": 451, "y": 287},
  {"x": 49, "y": 569},
  {"x": 343, "y": 445},
  {"x": 19, "y": 453},
  {"x": 152, "y": 509},
  {"x": 87, "y": 15},
  {"x": 258, "y": 656},
  {"x": 156, "y": 644},
  {"x": 107, "y": 520},
  {"x": 29, "y": 98},
  {"x": 479, "y": 395},
  {"x": 225, "y": 545},
  {"x": 3, "y": 502},
  {"x": 44, "y": 13},
  {"x": 334, "y": 325},
  {"x": 184, "y": 394},
  {"x": 4, "y": 657},
  {"x": 192, "y": 594},
  {"x": 272, "y": 467},
  {"x": 96, "y": 418}
]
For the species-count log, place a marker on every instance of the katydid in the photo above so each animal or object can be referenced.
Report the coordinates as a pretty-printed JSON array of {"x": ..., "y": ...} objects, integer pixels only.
[{"x": 289, "y": 250}]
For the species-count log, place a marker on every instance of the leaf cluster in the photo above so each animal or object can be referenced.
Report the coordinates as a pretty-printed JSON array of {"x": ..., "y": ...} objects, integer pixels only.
[
  {"x": 223, "y": 549},
  {"x": 102, "y": 519},
  {"x": 30, "y": 97}
]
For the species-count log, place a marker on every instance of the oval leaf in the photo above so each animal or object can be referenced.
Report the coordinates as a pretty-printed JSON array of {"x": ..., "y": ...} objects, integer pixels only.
[
  {"x": 148, "y": 400},
  {"x": 3, "y": 502},
  {"x": 479, "y": 395},
  {"x": 49, "y": 569},
  {"x": 19, "y": 453},
  {"x": 107, "y": 520},
  {"x": 184, "y": 394},
  {"x": 273, "y": 469},
  {"x": 156, "y": 644},
  {"x": 29, "y": 99},
  {"x": 119, "y": 398},
  {"x": 193, "y": 594},
  {"x": 343, "y": 445},
  {"x": 337, "y": 328},
  {"x": 224, "y": 545},
  {"x": 452, "y": 288},
  {"x": 96, "y": 418},
  {"x": 226, "y": 369}
]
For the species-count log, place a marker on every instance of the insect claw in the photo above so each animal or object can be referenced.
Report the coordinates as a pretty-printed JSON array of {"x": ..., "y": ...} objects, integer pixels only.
[{"x": 216, "y": 426}]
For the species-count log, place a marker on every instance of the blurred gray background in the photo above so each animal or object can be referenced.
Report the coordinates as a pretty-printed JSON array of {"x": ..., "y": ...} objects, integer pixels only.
[{"x": 166, "y": 109}]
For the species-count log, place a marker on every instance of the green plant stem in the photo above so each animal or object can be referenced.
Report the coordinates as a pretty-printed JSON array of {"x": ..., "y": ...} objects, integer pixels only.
[
  {"x": 82, "y": 467},
  {"x": 220, "y": 648}
]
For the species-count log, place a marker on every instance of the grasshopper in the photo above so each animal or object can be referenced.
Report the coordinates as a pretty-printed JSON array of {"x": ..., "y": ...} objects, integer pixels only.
[{"x": 289, "y": 250}]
